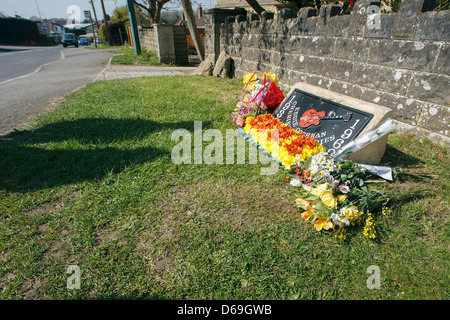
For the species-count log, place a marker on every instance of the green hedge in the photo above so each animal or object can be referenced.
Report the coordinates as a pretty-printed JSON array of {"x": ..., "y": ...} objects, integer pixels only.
[{"x": 19, "y": 31}]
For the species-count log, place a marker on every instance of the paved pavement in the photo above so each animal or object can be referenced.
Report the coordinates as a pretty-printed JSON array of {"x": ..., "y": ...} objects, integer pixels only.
[{"x": 112, "y": 72}]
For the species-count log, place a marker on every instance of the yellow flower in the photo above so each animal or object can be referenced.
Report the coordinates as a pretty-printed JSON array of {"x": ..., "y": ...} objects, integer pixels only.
[
  {"x": 247, "y": 78},
  {"x": 322, "y": 223},
  {"x": 328, "y": 199},
  {"x": 341, "y": 198},
  {"x": 369, "y": 227},
  {"x": 351, "y": 213},
  {"x": 320, "y": 189},
  {"x": 272, "y": 77}
]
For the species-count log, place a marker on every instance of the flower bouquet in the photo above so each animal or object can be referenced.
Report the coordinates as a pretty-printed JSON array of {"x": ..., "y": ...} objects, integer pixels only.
[
  {"x": 334, "y": 194},
  {"x": 283, "y": 143},
  {"x": 260, "y": 95}
]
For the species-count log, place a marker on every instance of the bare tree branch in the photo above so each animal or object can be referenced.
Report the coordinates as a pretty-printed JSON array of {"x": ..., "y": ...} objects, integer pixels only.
[{"x": 256, "y": 6}]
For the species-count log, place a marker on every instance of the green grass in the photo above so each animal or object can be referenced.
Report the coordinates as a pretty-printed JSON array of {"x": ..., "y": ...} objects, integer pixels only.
[
  {"x": 126, "y": 55},
  {"x": 92, "y": 184},
  {"x": 103, "y": 46}
]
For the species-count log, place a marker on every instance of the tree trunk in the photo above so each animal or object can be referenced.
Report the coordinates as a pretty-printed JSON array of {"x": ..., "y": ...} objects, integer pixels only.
[
  {"x": 153, "y": 12},
  {"x": 189, "y": 15},
  {"x": 106, "y": 27},
  {"x": 158, "y": 13},
  {"x": 256, "y": 6}
]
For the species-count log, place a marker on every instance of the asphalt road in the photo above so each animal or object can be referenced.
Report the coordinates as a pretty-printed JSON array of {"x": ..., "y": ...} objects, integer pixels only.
[{"x": 33, "y": 78}]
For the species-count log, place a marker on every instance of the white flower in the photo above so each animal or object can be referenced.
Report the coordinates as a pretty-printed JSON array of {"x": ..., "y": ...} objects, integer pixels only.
[
  {"x": 330, "y": 165},
  {"x": 337, "y": 219},
  {"x": 295, "y": 183},
  {"x": 386, "y": 127}
]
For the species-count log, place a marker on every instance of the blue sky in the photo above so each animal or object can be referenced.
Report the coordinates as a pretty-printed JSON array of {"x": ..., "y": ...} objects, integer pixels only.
[{"x": 58, "y": 8}]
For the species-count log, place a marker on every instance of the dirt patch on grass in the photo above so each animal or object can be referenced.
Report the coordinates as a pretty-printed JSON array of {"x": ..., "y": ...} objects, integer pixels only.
[
  {"x": 31, "y": 289},
  {"x": 222, "y": 204},
  {"x": 60, "y": 201},
  {"x": 238, "y": 204}
]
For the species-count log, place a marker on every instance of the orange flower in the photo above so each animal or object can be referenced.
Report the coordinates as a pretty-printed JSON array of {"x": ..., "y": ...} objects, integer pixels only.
[
  {"x": 290, "y": 140},
  {"x": 306, "y": 215},
  {"x": 306, "y": 204}
]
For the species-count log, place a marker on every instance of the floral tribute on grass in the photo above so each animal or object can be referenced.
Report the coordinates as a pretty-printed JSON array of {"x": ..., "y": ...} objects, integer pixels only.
[
  {"x": 260, "y": 95},
  {"x": 334, "y": 195},
  {"x": 292, "y": 145},
  {"x": 333, "y": 191}
]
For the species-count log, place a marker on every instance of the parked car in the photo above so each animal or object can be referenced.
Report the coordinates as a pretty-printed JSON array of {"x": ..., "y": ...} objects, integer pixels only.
[
  {"x": 70, "y": 39},
  {"x": 83, "y": 41}
]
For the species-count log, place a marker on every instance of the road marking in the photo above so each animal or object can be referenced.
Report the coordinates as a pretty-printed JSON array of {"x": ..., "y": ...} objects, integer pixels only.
[{"x": 35, "y": 71}]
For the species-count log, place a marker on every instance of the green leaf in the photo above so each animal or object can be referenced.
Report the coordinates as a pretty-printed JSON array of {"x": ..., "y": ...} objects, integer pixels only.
[
  {"x": 311, "y": 197},
  {"x": 321, "y": 207},
  {"x": 307, "y": 163}
]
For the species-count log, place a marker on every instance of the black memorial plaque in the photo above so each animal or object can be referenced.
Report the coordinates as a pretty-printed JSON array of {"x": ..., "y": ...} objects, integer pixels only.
[{"x": 331, "y": 123}]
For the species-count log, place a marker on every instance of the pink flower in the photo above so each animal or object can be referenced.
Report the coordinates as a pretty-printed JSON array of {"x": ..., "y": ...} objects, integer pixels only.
[{"x": 240, "y": 120}]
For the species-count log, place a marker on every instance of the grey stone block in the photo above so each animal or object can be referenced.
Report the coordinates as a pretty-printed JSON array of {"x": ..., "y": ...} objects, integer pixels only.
[
  {"x": 443, "y": 60},
  {"x": 306, "y": 26},
  {"x": 302, "y": 63},
  {"x": 338, "y": 69},
  {"x": 285, "y": 14},
  {"x": 352, "y": 48},
  {"x": 431, "y": 116},
  {"x": 338, "y": 26},
  {"x": 254, "y": 27},
  {"x": 358, "y": 22},
  {"x": 240, "y": 18},
  {"x": 318, "y": 46},
  {"x": 267, "y": 42},
  {"x": 224, "y": 66},
  {"x": 392, "y": 80},
  {"x": 433, "y": 26},
  {"x": 307, "y": 12},
  {"x": 343, "y": 87},
  {"x": 382, "y": 28},
  {"x": 408, "y": 16},
  {"x": 430, "y": 87},
  {"x": 382, "y": 98},
  {"x": 415, "y": 55},
  {"x": 205, "y": 68},
  {"x": 292, "y": 44}
]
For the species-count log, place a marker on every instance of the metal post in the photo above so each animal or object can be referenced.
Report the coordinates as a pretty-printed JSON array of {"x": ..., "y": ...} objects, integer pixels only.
[{"x": 134, "y": 30}]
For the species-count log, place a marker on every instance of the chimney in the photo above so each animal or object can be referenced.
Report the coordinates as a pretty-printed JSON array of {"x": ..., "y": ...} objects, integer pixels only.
[{"x": 199, "y": 12}]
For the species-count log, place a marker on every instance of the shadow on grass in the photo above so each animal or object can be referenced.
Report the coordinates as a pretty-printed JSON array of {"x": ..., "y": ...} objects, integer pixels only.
[
  {"x": 73, "y": 151},
  {"x": 394, "y": 158}
]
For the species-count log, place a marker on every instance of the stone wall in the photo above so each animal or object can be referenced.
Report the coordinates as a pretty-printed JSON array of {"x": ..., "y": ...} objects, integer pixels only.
[
  {"x": 168, "y": 41},
  {"x": 398, "y": 60}
]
